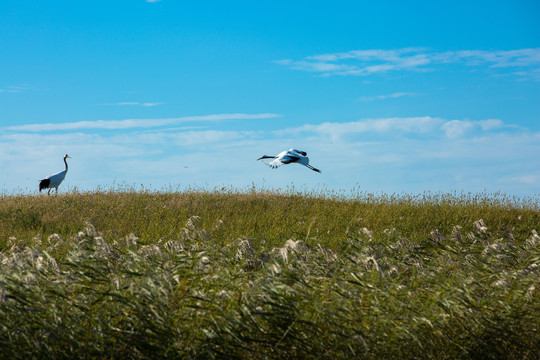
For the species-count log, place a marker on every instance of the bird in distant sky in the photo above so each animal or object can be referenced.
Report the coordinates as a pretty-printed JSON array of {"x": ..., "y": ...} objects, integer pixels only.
[
  {"x": 287, "y": 157},
  {"x": 54, "y": 180}
]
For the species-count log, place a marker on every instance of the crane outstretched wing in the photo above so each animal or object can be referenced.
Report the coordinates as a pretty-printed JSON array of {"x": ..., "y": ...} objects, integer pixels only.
[
  {"x": 303, "y": 153},
  {"x": 287, "y": 159}
]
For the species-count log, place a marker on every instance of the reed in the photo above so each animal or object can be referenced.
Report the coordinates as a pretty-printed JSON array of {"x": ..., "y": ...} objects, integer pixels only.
[{"x": 129, "y": 273}]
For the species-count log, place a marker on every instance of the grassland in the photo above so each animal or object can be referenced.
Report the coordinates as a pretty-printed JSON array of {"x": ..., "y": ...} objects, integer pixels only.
[{"x": 128, "y": 273}]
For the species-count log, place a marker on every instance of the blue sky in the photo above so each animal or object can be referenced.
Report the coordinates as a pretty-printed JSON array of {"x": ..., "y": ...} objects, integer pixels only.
[{"x": 385, "y": 96}]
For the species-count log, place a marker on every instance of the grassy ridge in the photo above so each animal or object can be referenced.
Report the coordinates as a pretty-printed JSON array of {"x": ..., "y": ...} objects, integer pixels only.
[
  {"x": 268, "y": 275},
  {"x": 270, "y": 216}
]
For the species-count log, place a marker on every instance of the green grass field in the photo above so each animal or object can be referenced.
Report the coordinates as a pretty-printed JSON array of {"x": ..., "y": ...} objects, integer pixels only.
[{"x": 129, "y": 273}]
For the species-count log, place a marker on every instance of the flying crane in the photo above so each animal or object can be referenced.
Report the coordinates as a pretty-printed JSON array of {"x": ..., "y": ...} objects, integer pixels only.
[{"x": 288, "y": 157}]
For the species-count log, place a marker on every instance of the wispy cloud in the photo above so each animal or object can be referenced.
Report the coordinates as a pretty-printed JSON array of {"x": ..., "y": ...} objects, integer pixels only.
[
  {"x": 418, "y": 126},
  {"x": 13, "y": 89},
  {"x": 367, "y": 62},
  {"x": 510, "y": 58},
  {"x": 384, "y": 97},
  {"x": 152, "y": 1},
  {"x": 135, "y": 123},
  {"x": 135, "y": 103},
  {"x": 336, "y": 130}
]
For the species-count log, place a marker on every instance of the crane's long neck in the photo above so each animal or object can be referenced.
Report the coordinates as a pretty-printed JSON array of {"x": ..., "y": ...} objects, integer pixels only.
[{"x": 65, "y": 162}]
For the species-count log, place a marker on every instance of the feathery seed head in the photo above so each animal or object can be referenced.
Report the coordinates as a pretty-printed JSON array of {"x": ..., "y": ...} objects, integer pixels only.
[
  {"x": 480, "y": 226},
  {"x": 364, "y": 231}
]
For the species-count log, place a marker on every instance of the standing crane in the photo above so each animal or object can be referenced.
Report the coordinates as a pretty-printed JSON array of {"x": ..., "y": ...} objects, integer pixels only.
[
  {"x": 54, "y": 180},
  {"x": 287, "y": 157}
]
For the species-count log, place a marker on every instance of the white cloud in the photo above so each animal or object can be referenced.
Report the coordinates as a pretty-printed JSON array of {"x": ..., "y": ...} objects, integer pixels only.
[
  {"x": 528, "y": 178},
  {"x": 361, "y": 62},
  {"x": 458, "y": 128},
  {"x": 335, "y": 130},
  {"x": 377, "y": 61},
  {"x": 14, "y": 89},
  {"x": 406, "y": 126},
  {"x": 424, "y": 155},
  {"x": 384, "y": 97},
  {"x": 135, "y": 123},
  {"x": 135, "y": 103},
  {"x": 321, "y": 67},
  {"x": 183, "y": 138},
  {"x": 510, "y": 58}
]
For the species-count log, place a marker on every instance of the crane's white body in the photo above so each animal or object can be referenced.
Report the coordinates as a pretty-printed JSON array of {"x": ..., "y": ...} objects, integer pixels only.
[
  {"x": 288, "y": 157},
  {"x": 54, "y": 180}
]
